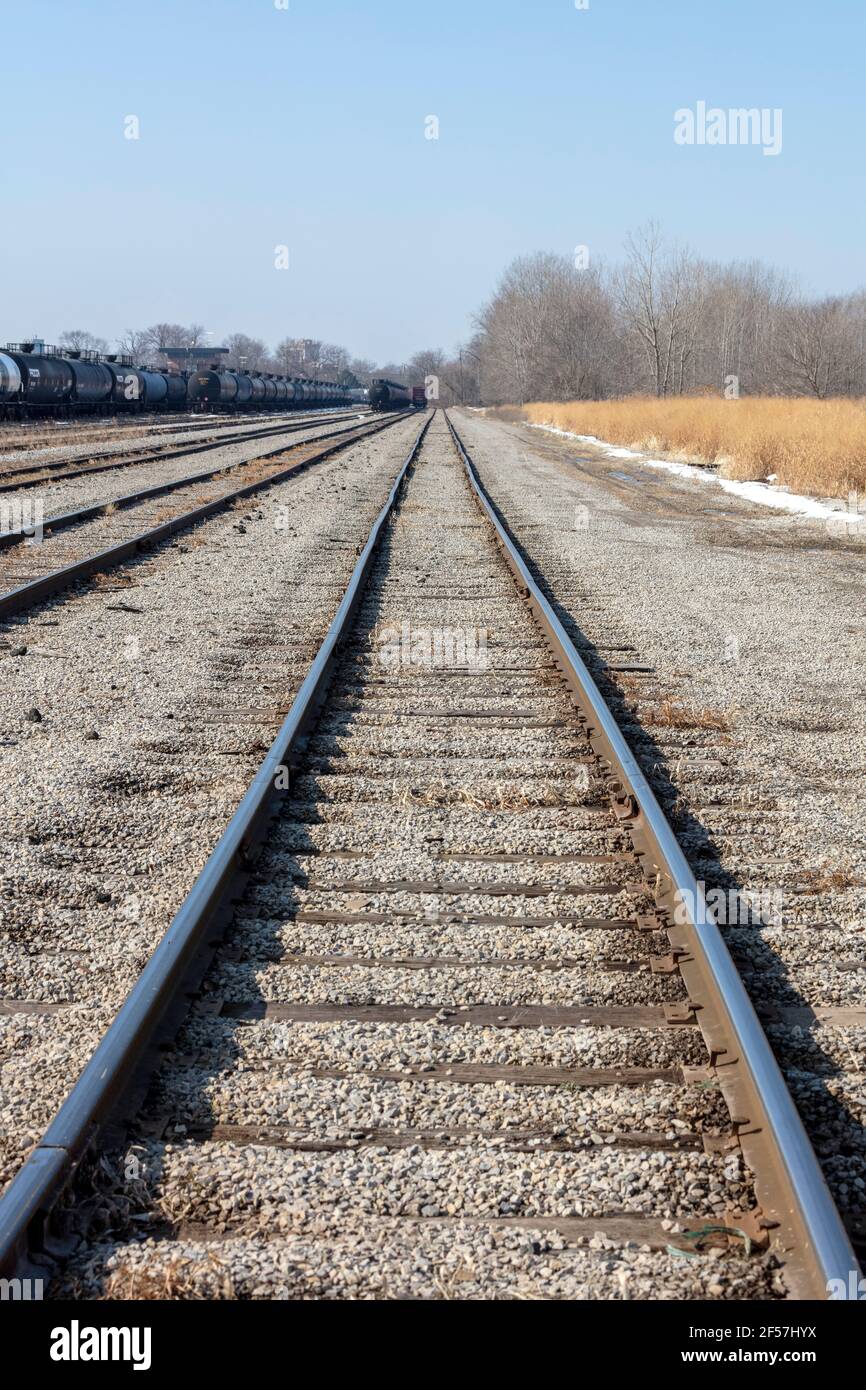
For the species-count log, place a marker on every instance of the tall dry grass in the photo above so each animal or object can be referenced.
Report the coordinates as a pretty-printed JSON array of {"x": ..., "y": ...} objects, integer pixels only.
[{"x": 812, "y": 446}]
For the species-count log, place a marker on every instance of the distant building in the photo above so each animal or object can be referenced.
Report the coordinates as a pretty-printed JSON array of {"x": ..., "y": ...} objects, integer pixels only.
[
  {"x": 306, "y": 350},
  {"x": 186, "y": 359}
]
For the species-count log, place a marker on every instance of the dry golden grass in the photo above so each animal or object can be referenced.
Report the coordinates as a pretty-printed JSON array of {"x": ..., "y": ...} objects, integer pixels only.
[
  {"x": 826, "y": 878},
  {"x": 671, "y": 715},
  {"x": 812, "y": 446},
  {"x": 180, "y": 1279}
]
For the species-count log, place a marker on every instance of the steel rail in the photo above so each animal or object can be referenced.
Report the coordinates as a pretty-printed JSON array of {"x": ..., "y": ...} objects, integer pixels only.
[
  {"x": 61, "y": 520},
  {"x": 159, "y": 997},
  {"x": 133, "y": 458},
  {"x": 36, "y": 590},
  {"x": 797, "y": 1209}
]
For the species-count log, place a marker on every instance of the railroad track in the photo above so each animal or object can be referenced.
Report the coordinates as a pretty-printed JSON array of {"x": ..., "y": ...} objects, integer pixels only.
[
  {"x": 149, "y": 422},
  {"x": 432, "y": 1021},
  {"x": 83, "y": 427},
  {"x": 122, "y": 527},
  {"x": 59, "y": 470}
]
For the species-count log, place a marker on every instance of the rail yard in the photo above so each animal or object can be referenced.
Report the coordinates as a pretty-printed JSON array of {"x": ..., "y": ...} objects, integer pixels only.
[
  {"x": 398, "y": 905},
  {"x": 432, "y": 696}
]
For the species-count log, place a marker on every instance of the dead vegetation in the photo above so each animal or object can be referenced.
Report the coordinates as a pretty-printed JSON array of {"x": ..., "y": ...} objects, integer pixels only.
[
  {"x": 824, "y": 878},
  {"x": 179, "y": 1279},
  {"x": 809, "y": 446},
  {"x": 670, "y": 714}
]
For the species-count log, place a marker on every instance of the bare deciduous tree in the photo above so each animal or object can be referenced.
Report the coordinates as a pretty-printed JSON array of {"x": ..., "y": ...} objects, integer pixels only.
[
  {"x": 666, "y": 322},
  {"x": 80, "y": 340},
  {"x": 821, "y": 347},
  {"x": 134, "y": 344},
  {"x": 244, "y": 352}
]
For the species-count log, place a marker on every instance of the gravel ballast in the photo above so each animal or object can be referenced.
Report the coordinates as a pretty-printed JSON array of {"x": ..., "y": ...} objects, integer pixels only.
[
  {"x": 156, "y": 693},
  {"x": 748, "y": 718},
  {"x": 68, "y": 493},
  {"x": 366, "y": 1144}
]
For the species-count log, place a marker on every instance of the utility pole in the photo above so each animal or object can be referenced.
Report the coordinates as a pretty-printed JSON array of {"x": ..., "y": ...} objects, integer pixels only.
[{"x": 469, "y": 353}]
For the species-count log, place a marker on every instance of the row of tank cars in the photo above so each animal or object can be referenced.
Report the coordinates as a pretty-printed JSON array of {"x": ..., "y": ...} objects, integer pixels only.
[
  {"x": 39, "y": 380},
  {"x": 391, "y": 395}
]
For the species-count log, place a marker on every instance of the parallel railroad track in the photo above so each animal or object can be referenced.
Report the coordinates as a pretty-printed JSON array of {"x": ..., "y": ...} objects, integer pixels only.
[
  {"x": 431, "y": 1022},
  {"x": 32, "y": 572},
  {"x": 84, "y": 427},
  {"x": 59, "y": 470}
]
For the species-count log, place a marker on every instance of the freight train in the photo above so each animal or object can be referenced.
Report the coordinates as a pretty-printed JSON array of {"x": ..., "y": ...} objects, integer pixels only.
[
  {"x": 390, "y": 395},
  {"x": 40, "y": 380}
]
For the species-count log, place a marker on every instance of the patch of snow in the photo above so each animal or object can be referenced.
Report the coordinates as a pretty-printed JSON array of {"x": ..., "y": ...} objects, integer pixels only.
[{"x": 763, "y": 494}]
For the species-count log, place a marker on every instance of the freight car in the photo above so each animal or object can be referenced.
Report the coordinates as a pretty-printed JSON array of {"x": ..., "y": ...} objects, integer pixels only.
[
  {"x": 388, "y": 395},
  {"x": 40, "y": 380},
  {"x": 215, "y": 389},
  {"x": 419, "y": 397}
]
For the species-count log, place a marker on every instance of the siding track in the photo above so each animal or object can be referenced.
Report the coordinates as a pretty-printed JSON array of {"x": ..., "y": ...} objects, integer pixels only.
[
  {"x": 100, "y": 459},
  {"x": 131, "y": 523}
]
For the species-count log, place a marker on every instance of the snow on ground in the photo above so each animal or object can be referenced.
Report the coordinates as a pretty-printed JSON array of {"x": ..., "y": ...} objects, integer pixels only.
[{"x": 762, "y": 493}]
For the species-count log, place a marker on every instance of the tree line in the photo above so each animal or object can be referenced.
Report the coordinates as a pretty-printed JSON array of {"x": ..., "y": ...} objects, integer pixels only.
[
  {"x": 291, "y": 357},
  {"x": 663, "y": 321}
]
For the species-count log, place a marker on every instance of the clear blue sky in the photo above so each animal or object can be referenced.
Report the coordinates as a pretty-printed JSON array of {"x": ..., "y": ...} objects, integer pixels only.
[{"x": 305, "y": 127}]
